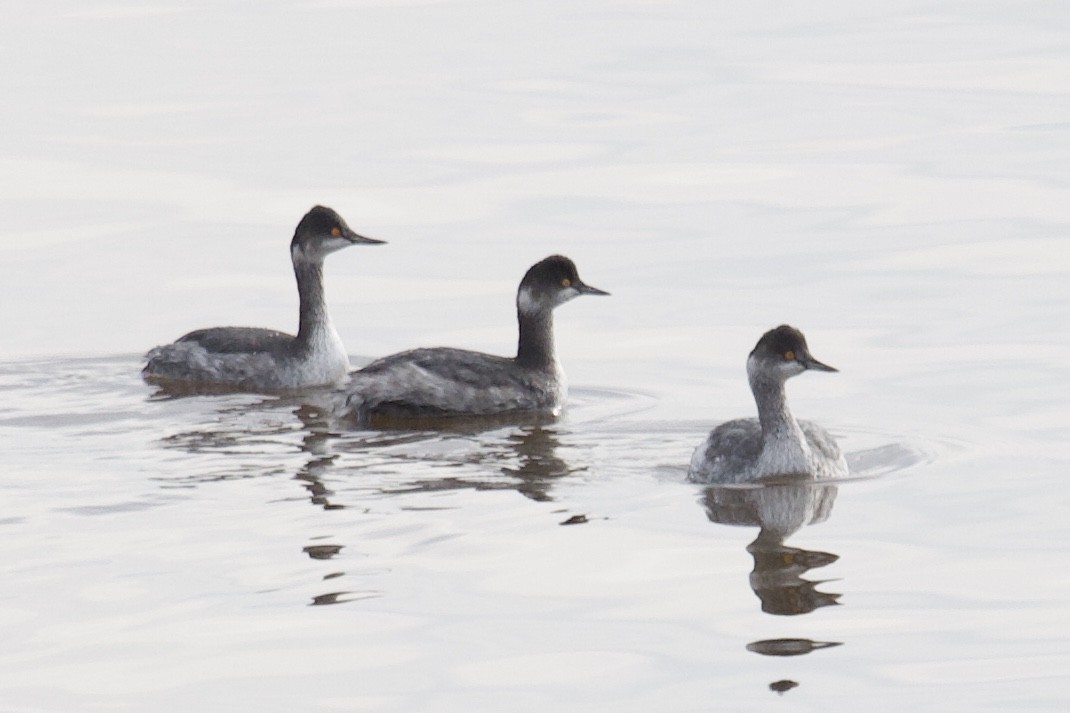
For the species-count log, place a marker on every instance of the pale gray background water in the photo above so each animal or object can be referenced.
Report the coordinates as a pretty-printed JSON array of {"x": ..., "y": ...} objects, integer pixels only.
[{"x": 890, "y": 178}]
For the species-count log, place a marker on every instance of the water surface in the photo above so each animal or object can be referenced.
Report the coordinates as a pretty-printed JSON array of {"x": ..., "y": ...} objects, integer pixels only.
[{"x": 889, "y": 179}]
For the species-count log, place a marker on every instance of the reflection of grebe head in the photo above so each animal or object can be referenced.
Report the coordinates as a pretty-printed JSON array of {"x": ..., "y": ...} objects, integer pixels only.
[
  {"x": 777, "y": 579},
  {"x": 779, "y": 510}
]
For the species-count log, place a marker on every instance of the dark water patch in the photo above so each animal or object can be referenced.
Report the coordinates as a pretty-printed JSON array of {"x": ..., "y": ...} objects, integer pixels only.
[
  {"x": 322, "y": 552},
  {"x": 342, "y": 597},
  {"x": 789, "y": 647},
  {"x": 585, "y": 405}
]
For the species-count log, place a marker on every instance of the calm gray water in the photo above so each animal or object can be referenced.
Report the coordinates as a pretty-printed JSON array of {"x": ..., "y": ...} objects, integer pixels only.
[{"x": 891, "y": 179}]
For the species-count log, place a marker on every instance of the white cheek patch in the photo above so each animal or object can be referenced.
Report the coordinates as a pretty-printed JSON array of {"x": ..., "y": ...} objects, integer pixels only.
[
  {"x": 335, "y": 243},
  {"x": 526, "y": 302}
]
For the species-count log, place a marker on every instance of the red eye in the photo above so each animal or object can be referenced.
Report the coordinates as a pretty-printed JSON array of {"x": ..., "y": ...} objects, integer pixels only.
[
  {"x": 336, "y": 231},
  {"x": 789, "y": 356}
]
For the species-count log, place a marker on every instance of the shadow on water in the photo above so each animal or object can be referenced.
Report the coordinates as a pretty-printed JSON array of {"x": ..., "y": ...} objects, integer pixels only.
[{"x": 777, "y": 578}]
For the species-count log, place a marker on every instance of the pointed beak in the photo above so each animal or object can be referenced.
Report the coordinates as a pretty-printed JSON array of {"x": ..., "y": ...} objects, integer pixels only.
[
  {"x": 360, "y": 239},
  {"x": 585, "y": 289},
  {"x": 810, "y": 363}
]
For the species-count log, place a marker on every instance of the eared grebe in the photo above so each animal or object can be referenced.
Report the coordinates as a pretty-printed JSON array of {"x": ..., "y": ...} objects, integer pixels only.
[
  {"x": 253, "y": 359},
  {"x": 774, "y": 444},
  {"x": 431, "y": 383}
]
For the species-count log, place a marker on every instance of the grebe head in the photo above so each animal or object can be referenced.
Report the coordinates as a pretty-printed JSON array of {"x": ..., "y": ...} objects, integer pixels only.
[
  {"x": 782, "y": 353},
  {"x": 549, "y": 283},
  {"x": 321, "y": 232}
]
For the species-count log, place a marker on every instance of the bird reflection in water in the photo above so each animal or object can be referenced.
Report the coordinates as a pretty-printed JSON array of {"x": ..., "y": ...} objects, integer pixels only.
[
  {"x": 538, "y": 466},
  {"x": 316, "y": 442},
  {"x": 780, "y": 509},
  {"x": 523, "y": 457},
  {"x": 311, "y": 476},
  {"x": 527, "y": 457}
]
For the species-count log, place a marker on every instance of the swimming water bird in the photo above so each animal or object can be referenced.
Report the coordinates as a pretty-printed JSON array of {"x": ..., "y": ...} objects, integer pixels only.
[
  {"x": 444, "y": 382},
  {"x": 775, "y": 444},
  {"x": 254, "y": 359}
]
